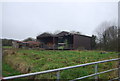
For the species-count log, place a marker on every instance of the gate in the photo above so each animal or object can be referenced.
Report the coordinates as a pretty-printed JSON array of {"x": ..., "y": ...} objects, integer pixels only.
[{"x": 71, "y": 67}]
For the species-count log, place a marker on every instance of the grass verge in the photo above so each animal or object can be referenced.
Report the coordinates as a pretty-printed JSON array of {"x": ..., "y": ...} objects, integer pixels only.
[{"x": 27, "y": 61}]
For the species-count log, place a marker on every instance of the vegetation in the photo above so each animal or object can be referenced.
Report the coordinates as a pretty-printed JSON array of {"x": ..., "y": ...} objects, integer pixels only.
[
  {"x": 7, "y": 46},
  {"x": 107, "y": 37},
  {"x": 26, "y": 61},
  {"x": 29, "y": 39},
  {"x": 7, "y": 42},
  {"x": 93, "y": 42},
  {"x": 8, "y": 70}
]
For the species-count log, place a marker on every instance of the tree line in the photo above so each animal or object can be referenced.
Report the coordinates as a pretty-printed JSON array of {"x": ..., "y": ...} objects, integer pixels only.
[{"x": 107, "y": 37}]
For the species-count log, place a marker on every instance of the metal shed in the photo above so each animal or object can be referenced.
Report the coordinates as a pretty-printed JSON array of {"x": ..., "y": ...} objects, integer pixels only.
[{"x": 64, "y": 40}]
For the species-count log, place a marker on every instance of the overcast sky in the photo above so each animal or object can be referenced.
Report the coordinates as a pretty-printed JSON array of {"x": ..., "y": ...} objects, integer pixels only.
[{"x": 25, "y": 19}]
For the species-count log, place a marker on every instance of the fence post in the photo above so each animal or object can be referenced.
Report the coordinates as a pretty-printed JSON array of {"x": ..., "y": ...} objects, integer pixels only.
[
  {"x": 96, "y": 70},
  {"x": 58, "y": 76}
]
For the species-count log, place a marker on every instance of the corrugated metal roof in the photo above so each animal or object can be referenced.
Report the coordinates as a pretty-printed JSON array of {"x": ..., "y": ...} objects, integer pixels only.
[{"x": 63, "y": 33}]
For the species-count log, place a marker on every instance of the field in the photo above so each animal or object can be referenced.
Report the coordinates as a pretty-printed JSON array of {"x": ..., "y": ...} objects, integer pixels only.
[
  {"x": 26, "y": 61},
  {"x": 8, "y": 70}
]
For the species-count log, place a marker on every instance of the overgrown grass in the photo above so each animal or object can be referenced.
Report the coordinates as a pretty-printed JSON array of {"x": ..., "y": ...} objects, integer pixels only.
[
  {"x": 8, "y": 70},
  {"x": 27, "y": 61}
]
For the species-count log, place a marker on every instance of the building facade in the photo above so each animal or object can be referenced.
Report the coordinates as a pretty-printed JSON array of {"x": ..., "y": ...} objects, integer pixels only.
[{"x": 64, "y": 40}]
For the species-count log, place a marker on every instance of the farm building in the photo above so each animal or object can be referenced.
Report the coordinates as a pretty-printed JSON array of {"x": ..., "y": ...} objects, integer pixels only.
[
  {"x": 29, "y": 44},
  {"x": 64, "y": 40}
]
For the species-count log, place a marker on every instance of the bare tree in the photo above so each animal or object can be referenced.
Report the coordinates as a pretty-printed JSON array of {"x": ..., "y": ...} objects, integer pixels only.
[
  {"x": 110, "y": 37},
  {"x": 107, "y": 36},
  {"x": 118, "y": 39},
  {"x": 100, "y": 29}
]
